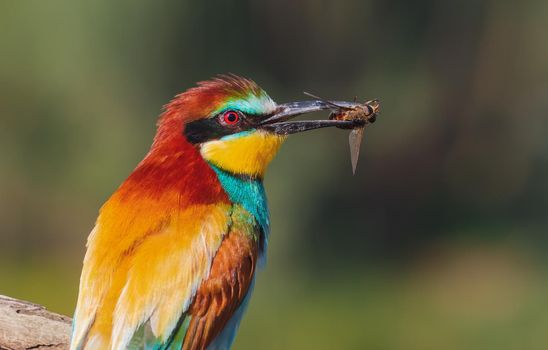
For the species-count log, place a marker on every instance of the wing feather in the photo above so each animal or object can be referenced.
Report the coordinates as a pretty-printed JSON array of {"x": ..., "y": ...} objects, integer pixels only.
[
  {"x": 224, "y": 291},
  {"x": 150, "y": 278}
]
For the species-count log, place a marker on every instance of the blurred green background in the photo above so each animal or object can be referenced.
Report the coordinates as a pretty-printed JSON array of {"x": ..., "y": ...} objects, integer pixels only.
[{"x": 439, "y": 240}]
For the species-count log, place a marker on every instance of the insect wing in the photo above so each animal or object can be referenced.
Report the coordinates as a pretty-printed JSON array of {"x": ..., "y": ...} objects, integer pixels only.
[
  {"x": 327, "y": 102},
  {"x": 355, "y": 140}
]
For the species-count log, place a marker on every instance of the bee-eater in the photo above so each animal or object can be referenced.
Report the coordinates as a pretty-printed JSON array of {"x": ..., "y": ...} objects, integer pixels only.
[{"x": 170, "y": 263}]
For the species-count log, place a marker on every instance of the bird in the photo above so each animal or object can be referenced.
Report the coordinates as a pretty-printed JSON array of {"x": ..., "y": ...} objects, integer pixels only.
[{"x": 171, "y": 260}]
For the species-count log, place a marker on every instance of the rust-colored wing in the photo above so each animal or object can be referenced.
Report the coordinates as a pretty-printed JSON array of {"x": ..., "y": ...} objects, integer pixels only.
[{"x": 220, "y": 295}]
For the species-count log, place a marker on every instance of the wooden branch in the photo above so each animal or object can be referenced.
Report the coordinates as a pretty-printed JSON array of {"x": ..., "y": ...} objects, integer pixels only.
[{"x": 27, "y": 326}]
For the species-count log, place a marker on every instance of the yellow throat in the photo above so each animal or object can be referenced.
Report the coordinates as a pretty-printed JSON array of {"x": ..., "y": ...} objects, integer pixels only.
[{"x": 247, "y": 153}]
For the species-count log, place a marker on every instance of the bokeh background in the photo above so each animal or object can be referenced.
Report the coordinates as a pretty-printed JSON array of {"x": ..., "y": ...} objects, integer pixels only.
[{"x": 439, "y": 240}]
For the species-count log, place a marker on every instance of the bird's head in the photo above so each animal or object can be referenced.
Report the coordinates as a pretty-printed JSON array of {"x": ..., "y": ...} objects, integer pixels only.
[{"x": 234, "y": 124}]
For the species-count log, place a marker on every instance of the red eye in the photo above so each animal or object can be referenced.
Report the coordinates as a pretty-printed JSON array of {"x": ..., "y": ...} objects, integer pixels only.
[{"x": 231, "y": 117}]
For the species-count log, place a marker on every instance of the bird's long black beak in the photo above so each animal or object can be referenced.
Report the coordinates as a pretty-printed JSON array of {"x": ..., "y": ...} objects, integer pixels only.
[{"x": 278, "y": 123}]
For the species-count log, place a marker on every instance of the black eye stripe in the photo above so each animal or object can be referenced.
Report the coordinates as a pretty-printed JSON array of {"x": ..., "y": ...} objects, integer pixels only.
[{"x": 204, "y": 130}]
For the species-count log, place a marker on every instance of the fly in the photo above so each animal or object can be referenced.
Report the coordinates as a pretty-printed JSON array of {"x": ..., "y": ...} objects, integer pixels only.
[{"x": 366, "y": 112}]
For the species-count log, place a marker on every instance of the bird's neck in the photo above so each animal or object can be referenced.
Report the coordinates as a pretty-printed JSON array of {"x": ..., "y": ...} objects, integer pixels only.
[
  {"x": 175, "y": 170},
  {"x": 248, "y": 192}
]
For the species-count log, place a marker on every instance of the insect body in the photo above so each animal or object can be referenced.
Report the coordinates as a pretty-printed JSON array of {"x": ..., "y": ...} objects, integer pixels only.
[{"x": 366, "y": 112}]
